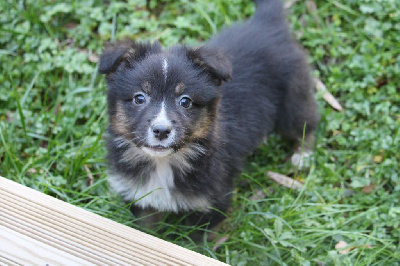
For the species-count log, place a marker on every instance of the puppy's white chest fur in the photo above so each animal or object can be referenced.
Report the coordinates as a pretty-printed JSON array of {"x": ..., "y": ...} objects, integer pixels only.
[{"x": 157, "y": 190}]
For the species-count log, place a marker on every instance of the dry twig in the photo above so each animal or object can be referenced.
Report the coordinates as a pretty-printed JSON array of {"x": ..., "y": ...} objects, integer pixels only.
[
  {"x": 89, "y": 173},
  {"x": 327, "y": 95},
  {"x": 285, "y": 180}
]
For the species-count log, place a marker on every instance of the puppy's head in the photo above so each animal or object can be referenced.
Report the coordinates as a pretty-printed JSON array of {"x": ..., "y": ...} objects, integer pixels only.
[{"x": 162, "y": 101}]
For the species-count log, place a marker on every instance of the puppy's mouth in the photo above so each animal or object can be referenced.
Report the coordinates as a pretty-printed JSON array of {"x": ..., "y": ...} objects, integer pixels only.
[{"x": 158, "y": 151}]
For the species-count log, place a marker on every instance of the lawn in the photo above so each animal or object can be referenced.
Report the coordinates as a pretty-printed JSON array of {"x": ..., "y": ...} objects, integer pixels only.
[{"x": 53, "y": 117}]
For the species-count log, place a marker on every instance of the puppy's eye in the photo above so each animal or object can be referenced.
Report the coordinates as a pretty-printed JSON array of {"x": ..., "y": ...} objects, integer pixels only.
[
  {"x": 185, "y": 102},
  {"x": 139, "y": 99}
]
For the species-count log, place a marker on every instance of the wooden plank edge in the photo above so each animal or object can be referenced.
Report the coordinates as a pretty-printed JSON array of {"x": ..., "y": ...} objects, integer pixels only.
[{"x": 149, "y": 249}]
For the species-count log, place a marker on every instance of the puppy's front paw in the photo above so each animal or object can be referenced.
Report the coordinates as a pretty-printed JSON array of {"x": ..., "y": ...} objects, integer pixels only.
[{"x": 301, "y": 160}]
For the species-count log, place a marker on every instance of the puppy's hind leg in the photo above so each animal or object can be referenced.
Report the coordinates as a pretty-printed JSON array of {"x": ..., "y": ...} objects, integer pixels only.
[
  {"x": 304, "y": 145},
  {"x": 298, "y": 117},
  {"x": 303, "y": 152}
]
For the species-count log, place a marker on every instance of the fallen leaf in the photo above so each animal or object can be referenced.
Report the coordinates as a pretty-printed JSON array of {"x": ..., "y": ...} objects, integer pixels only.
[
  {"x": 341, "y": 245},
  {"x": 71, "y": 25},
  {"x": 382, "y": 81},
  {"x": 328, "y": 97},
  {"x": 369, "y": 188},
  {"x": 285, "y": 180},
  {"x": 93, "y": 58},
  {"x": 378, "y": 158},
  {"x": 32, "y": 171},
  {"x": 359, "y": 168},
  {"x": 336, "y": 132}
]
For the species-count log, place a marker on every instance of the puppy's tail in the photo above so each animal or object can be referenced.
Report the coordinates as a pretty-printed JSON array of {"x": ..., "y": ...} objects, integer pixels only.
[{"x": 269, "y": 10}]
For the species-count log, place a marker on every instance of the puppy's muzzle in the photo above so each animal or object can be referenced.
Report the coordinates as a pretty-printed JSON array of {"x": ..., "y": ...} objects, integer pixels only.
[{"x": 161, "y": 131}]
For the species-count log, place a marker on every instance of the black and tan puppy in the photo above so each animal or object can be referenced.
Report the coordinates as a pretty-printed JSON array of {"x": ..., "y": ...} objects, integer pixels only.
[{"x": 183, "y": 120}]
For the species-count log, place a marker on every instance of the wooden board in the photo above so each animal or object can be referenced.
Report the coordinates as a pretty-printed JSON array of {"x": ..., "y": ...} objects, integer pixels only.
[{"x": 36, "y": 229}]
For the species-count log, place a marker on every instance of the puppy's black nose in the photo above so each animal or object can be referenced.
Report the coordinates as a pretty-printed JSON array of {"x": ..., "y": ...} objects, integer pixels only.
[{"x": 161, "y": 131}]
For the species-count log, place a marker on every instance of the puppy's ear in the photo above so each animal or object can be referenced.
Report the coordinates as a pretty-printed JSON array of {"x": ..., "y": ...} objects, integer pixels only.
[
  {"x": 127, "y": 51},
  {"x": 213, "y": 62}
]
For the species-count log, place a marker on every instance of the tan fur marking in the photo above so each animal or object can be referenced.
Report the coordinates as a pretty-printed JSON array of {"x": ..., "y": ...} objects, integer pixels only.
[
  {"x": 119, "y": 120},
  {"x": 129, "y": 54},
  {"x": 146, "y": 87},
  {"x": 203, "y": 126},
  {"x": 179, "y": 88}
]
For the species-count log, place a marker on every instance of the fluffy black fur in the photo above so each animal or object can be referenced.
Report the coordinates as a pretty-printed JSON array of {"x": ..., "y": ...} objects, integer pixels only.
[{"x": 249, "y": 80}]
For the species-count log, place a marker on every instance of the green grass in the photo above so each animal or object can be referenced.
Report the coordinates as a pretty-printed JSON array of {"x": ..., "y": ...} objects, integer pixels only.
[{"x": 53, "y": 116}]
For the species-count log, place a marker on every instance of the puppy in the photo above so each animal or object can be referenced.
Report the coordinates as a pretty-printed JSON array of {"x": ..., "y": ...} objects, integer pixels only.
[{"x": 182, "y": 120}]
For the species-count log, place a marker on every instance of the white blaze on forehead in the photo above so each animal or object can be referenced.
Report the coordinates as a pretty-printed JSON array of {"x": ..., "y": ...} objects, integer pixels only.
[{"x": 165, "y": 69}]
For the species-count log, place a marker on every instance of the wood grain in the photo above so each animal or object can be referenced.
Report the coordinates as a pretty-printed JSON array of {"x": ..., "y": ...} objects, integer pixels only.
[{"x": 36, "y": 229}]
